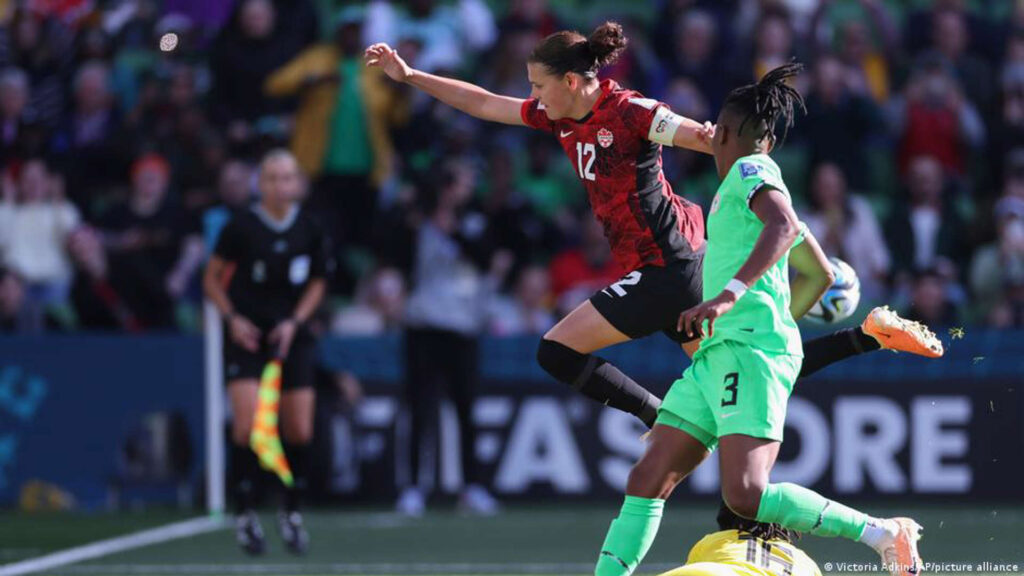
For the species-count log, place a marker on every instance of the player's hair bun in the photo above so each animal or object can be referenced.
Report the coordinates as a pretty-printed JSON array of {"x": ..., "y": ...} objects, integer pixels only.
[
  {"x": 606, "y": 44},
  {"x": 569, "y": 51}
]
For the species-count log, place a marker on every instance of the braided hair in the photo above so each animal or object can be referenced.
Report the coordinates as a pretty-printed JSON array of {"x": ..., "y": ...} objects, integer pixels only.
[
  {"x": 768, "y": 101},
  {"x": 729, "y": 520}
]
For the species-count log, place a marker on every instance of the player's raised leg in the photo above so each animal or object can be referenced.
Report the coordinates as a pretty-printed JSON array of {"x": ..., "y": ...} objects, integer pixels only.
[
  {"x": 645, "y": 301},
  {"x": 882, "y": 329},
  {"x": 565, "y": 353}
]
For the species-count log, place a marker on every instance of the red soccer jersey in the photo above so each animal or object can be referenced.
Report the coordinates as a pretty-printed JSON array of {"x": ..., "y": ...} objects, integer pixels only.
[{"x": 644, "y": 221}]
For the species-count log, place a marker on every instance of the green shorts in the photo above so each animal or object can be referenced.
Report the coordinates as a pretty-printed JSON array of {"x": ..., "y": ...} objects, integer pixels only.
[{"x": 731, "y": 388}]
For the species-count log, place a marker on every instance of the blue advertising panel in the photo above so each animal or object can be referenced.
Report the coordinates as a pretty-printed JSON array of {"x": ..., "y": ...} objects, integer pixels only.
[
  {"x": 77, "y": 411},
  {"x": 89, "y": 413}
]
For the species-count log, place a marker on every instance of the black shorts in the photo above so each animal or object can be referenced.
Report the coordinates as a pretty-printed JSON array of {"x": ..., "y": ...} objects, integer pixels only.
[
  {"x": 651, "y": 298},
  {"x": 297, "y": 372}
]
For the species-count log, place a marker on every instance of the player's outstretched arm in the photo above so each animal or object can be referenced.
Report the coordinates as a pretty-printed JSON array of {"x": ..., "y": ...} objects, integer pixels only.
[
  {"x": 671, "y": 129},
  {"x": 469, "y": 98},
  {"x": 813, "y": 275},
  {"x": 694, "y": 135}
]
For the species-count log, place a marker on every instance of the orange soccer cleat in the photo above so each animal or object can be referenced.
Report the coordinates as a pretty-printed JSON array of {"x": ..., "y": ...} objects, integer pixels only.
[{"x": 898, "y": 334}]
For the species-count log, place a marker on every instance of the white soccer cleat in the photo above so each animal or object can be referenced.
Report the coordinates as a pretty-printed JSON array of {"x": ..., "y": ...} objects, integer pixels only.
[{"x": 899, "y": 552}]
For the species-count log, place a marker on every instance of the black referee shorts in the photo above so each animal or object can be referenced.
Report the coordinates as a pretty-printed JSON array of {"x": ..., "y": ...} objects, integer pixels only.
[
  {"x": 651, "y": 298},
  {"x": 298, "y": 370}
]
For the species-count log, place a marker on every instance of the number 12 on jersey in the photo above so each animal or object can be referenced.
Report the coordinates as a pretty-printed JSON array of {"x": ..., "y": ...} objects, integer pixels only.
[{"x": 585, "y": 156}]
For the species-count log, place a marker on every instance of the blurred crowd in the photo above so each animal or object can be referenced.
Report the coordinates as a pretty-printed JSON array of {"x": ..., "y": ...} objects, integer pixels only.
[{"x": 130, "y": 129}]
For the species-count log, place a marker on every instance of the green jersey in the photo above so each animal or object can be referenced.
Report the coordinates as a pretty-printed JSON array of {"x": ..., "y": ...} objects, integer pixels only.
[
  {"x": 761, "y": 318},
  {"x": 349, "y": 151}
]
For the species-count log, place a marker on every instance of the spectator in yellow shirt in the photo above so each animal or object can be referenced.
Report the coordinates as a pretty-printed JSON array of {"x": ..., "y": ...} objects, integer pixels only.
[{"x": 341, "y": 129}]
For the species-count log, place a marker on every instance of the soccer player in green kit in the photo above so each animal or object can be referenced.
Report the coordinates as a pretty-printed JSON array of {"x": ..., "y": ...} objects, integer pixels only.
[{"x": 735, "y": 393}]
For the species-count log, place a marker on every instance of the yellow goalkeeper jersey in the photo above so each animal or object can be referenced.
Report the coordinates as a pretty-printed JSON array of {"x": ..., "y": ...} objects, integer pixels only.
[{"x": 734, "y": 553}]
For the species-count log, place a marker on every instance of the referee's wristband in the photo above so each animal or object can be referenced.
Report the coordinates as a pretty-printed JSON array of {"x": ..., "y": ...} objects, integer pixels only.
[{"x": 736, "y": 287}]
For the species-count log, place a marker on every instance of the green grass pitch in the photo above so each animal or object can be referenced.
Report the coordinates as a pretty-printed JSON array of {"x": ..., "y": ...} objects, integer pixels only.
[{"x": 523, "y": 540}]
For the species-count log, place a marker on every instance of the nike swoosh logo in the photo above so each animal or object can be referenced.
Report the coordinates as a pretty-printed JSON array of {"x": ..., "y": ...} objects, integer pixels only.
[
  {"x": 730, "y": 415},
  {"x": 564, "y": 134},
  {"x": 616, "y": 558}
]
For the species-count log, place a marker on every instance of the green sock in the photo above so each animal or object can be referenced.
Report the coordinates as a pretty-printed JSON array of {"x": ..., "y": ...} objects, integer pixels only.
[
  {"x": 630, "y": 536},
  {"x": 803, "y": 510}
]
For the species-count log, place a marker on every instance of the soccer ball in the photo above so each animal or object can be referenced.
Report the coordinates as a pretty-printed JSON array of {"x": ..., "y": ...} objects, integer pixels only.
[{"x": 841, "y": 299}]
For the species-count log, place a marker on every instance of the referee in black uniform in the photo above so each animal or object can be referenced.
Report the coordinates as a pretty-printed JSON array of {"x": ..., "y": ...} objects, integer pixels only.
[{"x": 267, "y": 277}]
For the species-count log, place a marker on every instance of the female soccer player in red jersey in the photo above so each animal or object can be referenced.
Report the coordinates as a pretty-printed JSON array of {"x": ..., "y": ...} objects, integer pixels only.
[{"x": 614, "y": 137}]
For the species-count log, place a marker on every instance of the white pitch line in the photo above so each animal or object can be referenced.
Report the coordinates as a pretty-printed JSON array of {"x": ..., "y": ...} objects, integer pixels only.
[
  {"x": 411, "y": 568},
  {"x": 183, "y": 529},
  {"x": 384, "y": 568},
  {"x": 366, "y": 569}
]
